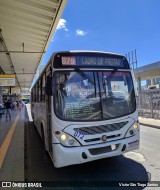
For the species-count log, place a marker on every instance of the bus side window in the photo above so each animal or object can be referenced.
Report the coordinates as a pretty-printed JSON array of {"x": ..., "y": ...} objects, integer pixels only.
[
  {"x": 36, "y": 100},
  {"x": 43, "y": 87},
  {"x": 39, "y": 91}
]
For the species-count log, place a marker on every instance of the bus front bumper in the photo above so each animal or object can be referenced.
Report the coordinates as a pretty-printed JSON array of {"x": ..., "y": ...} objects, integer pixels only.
[{"x": 64, "y": 156}]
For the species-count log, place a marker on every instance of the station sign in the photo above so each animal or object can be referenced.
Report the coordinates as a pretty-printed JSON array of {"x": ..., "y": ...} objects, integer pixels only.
[
  {"x": 7, "y": 80},
  {"x": 15, "y": 90}
]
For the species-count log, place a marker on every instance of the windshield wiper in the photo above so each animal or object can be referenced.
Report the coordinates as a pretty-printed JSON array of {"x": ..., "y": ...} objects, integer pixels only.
[
  {"x": 108, "y": 79},
  {"x": 111, "y": 75},
  {"x": 84, "y": 76},
  {"x": 95, "y": 89}
]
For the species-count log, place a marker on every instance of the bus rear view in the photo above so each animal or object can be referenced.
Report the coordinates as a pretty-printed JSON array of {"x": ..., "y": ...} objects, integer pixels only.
[{"x": 92, "y": 107}]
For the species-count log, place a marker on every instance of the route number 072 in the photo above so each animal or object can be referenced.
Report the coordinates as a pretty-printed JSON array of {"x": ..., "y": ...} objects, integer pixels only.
[{"x": 78, "y": 134}]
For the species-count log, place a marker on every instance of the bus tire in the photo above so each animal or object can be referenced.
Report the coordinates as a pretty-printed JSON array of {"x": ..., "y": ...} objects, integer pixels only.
[
  {"x": 42, "y": 134},
  {"x": 33, "y": 121}
]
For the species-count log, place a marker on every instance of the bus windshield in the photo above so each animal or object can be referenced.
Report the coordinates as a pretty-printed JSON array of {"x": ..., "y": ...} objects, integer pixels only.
[{"x": 93, "y": 95}]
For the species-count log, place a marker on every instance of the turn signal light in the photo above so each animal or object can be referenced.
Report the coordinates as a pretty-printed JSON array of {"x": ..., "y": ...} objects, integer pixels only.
[{"x": 57, "y": 132}]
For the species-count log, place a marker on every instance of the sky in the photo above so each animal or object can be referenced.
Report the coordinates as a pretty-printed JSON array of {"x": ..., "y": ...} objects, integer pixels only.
[{"x": 118, "y": 26}]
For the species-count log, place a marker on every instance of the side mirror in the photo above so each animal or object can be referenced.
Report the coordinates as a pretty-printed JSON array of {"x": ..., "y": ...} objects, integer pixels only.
[{"x": 50, "y": 86}]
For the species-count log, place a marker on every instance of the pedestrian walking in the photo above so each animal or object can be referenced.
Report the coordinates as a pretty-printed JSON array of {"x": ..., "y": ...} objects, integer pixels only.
[
  {"x": 15, "y": 106},
  {"x": 8, "y": 106},
  {"x": 1, "y": 110},
  {"x": 20, "y": 106}
]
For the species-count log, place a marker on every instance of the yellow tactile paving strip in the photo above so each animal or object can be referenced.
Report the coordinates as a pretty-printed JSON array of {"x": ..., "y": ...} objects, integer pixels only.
[{"x": 6, "y": 143}]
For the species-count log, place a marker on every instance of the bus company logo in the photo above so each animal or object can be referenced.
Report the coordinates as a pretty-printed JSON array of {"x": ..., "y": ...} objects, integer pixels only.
[
  {"x": 6, "y": 184},
  {"x": 104, "y": 138}
]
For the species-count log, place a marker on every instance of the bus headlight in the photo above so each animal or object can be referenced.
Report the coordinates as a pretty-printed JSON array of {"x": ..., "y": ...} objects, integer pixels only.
[
  {"x": 132, "y": 130},
  {"x": 63, "y": 137},
  {"x": 68, "y": 140}
]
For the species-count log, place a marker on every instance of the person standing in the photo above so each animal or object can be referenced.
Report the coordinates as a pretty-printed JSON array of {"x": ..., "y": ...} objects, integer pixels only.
[
  {"x": 20, "y": 106},
  {"x": 15, "y": 106},
  {"x": 1, "y": 110},
  {"x": 8, "y": 106}
]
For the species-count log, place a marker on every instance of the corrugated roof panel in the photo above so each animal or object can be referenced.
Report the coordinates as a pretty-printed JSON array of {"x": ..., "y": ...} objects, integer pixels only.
[
  {"x": 21, "y": 8},
  {"x": 26, "y": 25}
]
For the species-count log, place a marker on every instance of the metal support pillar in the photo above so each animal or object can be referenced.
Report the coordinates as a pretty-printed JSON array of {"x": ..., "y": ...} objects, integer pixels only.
[{"x": 139, "y": 92}]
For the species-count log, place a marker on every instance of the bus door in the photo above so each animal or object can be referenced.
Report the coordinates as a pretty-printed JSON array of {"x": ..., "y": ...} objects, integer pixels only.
[{"x": 48, "y": 117}]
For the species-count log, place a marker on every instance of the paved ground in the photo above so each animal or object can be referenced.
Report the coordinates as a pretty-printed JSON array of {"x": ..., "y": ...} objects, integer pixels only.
[
  {"x": 13, "y": 166},
  {"x": 12, "y": 148}
]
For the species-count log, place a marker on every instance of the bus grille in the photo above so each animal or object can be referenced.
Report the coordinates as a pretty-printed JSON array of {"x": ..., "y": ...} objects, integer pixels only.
[
  {"x": 98, "y": 139},
  {"x": 101, "y": 129},
  {"x": 102, "y": 150}
]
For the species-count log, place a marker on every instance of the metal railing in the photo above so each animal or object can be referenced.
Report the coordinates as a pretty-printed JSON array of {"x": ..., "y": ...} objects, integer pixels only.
[{"x": 148, "y": 102}]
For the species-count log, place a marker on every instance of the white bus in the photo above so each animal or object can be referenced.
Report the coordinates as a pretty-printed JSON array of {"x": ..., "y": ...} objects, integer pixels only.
[{"x": 84, "y": 107}]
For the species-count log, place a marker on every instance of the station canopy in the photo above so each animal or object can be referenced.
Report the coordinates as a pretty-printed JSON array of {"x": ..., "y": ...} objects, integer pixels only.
[{"x": 26, "y": 29}]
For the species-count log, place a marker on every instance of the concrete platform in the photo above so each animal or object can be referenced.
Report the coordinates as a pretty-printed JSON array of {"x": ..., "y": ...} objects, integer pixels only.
[
  {"x": 12, "y": 147},
  {"x": 155, "y": 123}
]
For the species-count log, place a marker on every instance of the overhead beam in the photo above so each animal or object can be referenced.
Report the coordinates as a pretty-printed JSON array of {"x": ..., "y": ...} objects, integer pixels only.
[
  {"x": 25, "y": 73},
  {"x": 25, "y": 81},
  {"x": 22, "y": 52}
]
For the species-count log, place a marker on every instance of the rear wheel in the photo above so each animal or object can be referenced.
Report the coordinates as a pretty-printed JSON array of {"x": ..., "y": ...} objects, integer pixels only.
[
  {"x": 43, "y": 138},
  {"x": 42, "y": 134},
  {"x": 33, "y": 121}
]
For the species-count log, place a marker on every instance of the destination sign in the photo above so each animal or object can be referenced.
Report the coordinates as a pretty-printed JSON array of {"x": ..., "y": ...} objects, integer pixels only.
[
  {"x": 92, "y": 61},
  {"x": 7, "y": 79}
]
